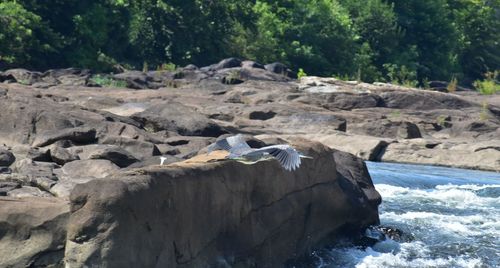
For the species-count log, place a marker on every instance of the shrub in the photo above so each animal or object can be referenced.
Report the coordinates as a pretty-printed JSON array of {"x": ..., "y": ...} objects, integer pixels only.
[
  {"x": 452, "y": 86},
  {"x": 106, "y": 81},
  {"x": 301, "y": 73},
  {"x": 401, "y": 75},
  {"x": 489, "y": 86}
]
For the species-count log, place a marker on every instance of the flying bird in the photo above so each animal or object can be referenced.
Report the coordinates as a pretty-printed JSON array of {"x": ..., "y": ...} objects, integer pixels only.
[{"x": 238, "y": 149}]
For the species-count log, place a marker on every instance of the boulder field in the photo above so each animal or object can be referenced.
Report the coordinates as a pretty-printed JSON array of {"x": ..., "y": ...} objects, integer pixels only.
[{"x": 81, "y": 184}]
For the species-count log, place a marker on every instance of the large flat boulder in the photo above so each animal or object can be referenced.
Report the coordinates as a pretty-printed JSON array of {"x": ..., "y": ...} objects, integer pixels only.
[
  {"x": 208, "y": 210},
  {"x": 480, "y": 155}
]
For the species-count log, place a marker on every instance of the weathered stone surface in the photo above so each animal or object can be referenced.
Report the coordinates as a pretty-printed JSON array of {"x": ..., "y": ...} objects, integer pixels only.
[
  {"x": 65, "y": 185},
  {"x": 139, "y": 149},
  {"x": 408, "y": 130},
  {"x": 424, "y": 100},
  {"x": 258, "y": 214},
  {"x": 34, "y": 169},
  {"x": 227, "y": 63},
  {"x": 61, "y": 155},
  {"x": 97, "y": 168},
  {"x": 23, "y": 76},
  {"x": 115, "y": 154},
  {"x": 79, "y": 135},
  {"x": 28, "y": 191},
  {"x": 134, "y": 79},
  {"x": 33, "y": 231},
  {"x": 482, "y": 155},
  {"x": 280, "y": 68},
  {"x": 174, "y": 116},
  {"x": 7, "y": 186},
  {"x": 351, "y": 101}
]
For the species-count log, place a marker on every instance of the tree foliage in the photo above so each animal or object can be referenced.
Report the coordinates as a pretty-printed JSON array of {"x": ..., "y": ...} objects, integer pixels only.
[{"x": 361, "y": 39}]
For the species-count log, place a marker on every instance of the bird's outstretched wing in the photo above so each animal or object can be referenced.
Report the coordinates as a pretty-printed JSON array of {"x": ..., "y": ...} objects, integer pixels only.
[
  {"x": 229, "y": 143},
  {"x": 288, "y": 157}
]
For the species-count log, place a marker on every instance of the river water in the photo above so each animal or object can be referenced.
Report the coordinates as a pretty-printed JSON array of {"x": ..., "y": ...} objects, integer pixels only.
[{"x": 452, "y": 215}]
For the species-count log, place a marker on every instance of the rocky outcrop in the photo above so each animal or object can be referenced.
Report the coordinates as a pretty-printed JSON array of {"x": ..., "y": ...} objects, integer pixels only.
[
  {"x": 201, "y": 212},
  {"x": 33, "y": 231},
  {"x": 481, "y": 155},
  {"x": 63, "y": 136}
]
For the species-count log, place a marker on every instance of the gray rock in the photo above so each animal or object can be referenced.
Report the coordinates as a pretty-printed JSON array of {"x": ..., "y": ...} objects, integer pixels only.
[
  {"x": 190, "y": 67},
  {"x": 79, "y": 135},
  {"x": 155, "y": 161},
  {"x": 39, "y": 154},
  {"x": 24, "y": 76},
  {"x": 33, "y": 232},
  {"x": 261, "y": 115},
  {"x": 6, "y": 157},
  {"x": 28, "y": 191},
  {"x": 139, "y": 149},
  {"x": 408, "y": 130},
  {"x": 7, "y": 186},
  {"x": 423, "y": 100},
  {"x": 134, "y": 79},
  {"x": 115, "y": 154},
  {"x": 352, "y": 101},
  {"x": 34, "y": 169},
  {"x": 64, "y": 186},
  {"x": 5, "y": 170},
  {"x": 252, "y": 64},
  {"x": 61, "y": 155},
  {"x": 97, "y": 168},
  {"x": 227, "y": 63},
  {"x": 173, "y": 116}
]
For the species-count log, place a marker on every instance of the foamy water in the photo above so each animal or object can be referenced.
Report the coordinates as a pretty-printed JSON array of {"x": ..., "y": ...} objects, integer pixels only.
[{"x": 453, "y": 215}]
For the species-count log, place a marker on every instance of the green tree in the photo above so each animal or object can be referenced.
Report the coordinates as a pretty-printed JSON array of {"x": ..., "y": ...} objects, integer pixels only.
[
  {"x": 88, "y": 30},
  {"x": 428, "y": 27},
  {"x": 379, "y": 35},
  {"x": 317, "y": 35},
  {"x": 25, "y": 40},
  {"x": 478, "y": 23}
]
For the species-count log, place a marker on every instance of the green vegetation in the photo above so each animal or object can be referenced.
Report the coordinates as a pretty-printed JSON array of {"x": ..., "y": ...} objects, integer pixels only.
[
  {"x": 301, "y": 73},
  {"x": 452, "y": 86},
  {"x": 106, "y": 81},
  {"x": 489, "y": 86},
  {"x": 404, "y": 42},
  {"x": 441, "y": 120},
  {"x": 484, "y": 115}
]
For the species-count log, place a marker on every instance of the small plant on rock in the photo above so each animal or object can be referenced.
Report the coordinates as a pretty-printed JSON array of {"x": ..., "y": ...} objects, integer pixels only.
[
  {"x": 167, "y": 67},
  {"x": 301, "y": 73},
  {"x": 401, "y": 75},
  {"x": 452, "y": 86},
  {"x": 106, "y": 81},
  {"x": 489, "y": 85},
  {"x": 484, "y": 114},
  {"x": 234, "y": 77}
]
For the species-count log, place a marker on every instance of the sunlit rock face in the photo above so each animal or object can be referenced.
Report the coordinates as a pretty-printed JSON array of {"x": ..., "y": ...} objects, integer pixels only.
[{"x": 209, "y": 210}]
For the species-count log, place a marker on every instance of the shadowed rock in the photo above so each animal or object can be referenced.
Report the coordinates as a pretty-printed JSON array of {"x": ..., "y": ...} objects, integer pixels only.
[
  {"x": 6, "y": 157},
  {"x": 79, "y": 135}
]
